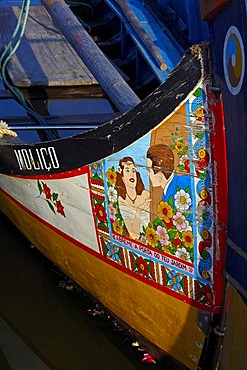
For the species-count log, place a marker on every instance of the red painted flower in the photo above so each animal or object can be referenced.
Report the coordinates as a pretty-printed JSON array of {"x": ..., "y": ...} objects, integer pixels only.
[
  {"x": 187, "y": 238},
  {"x": 169, "y": 224},
  {"x": 47, "y": 191},
  {"x": 206, "y": 236},
  {"x": 60, "y": 207},
  {"x": 203, "y": 245},
  {"x": 142, "y": 266},
  {"x": 207, "y": 292},
  {"x": 100, "y": 211},
  {"x": 177, "y": 241},
  {"x": 187, "y": 165}
]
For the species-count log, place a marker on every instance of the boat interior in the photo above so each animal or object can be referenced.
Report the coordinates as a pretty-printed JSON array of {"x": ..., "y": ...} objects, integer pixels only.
[{"x": 60, "y": 92}]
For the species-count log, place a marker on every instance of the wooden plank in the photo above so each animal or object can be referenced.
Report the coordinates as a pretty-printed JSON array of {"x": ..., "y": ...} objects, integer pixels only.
[
  {"x": 60, "y": 92},
  {"x": 44, "y": 57},
  {"x": 110, "y": 80}
]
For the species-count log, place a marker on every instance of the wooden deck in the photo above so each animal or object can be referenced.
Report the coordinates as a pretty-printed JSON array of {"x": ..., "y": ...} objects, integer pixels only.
[{"x": 42, "y": 42}]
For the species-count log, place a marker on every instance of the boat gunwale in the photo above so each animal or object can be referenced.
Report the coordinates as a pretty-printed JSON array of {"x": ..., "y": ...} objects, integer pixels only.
[{"x": 79, "y": 150}]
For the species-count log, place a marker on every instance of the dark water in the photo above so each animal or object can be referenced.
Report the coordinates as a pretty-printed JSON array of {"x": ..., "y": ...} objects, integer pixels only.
[{"x": 53, "y": 321}]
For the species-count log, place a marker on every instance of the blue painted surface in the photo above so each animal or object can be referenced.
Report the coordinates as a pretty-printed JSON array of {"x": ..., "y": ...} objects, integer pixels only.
[
  {"x": 235, "y": 111},
  {"x": 185, "y": 19},
  {"x": 167, "y": 45},
  {"x": 7, "y": 3},
  {"x": 189, "y": 11}
]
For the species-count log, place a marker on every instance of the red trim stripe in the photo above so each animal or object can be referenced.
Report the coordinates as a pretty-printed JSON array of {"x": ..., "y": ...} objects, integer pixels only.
[{"x": 56, "y": 176}]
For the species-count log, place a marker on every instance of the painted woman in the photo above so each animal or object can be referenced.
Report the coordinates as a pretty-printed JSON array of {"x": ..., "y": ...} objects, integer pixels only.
[{"x": 133, "y": 198}]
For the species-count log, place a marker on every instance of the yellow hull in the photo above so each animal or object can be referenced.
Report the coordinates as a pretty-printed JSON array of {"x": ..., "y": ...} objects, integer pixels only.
[
  {"x": 234, "y": 352},
  {"x": 169, "y": 323}
]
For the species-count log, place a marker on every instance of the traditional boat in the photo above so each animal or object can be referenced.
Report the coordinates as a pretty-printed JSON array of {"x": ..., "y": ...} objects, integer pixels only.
[{"x": 135, "y": 210}]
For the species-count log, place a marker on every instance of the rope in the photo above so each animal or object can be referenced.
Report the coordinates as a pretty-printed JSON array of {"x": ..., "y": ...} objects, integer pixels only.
[
  {"x": 4, "y": 130},
  {"x": 15, "y": 91}
]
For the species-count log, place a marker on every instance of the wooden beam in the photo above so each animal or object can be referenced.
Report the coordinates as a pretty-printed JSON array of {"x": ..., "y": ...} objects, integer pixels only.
[
  {"x": 141, "y": 32},
  {"x": 78, "y": 119},
  {"x": 68, "y": 92},
  {"x": 110, "y": 80}
]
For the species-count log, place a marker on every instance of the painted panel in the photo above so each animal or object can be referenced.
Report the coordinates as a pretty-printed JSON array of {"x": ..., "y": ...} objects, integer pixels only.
[
  {"x": 155, "y": 212},
  {"x": 64, "y": 204},
  {"x": 151, "y": 209}
]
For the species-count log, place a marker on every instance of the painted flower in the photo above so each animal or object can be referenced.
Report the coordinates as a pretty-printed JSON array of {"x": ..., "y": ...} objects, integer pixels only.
[
  {"x": 205, "y": 234},
  {"x": 187, "y": 238},
  {"x": 117, "y": 227},
  {"x": 143, "y": 239},
  {"x": 205, "y": 275},
  {"x": 111, "y": 176},
  {"x": 185, "y": 162},
  {"x": 188, "y": 227},
  {"x": 112, "y": 252},
  {"x": 179, "y": 146},
  {"x": 166, "y": 249},
  {"x": 207, "y": 292},
  {"x": 204, "y": 195},
  {"x": 182, "y": 201},
  {"x": 60, "y": 207},
  {"x": 162, "y": 235},
  {"x": 179, "y": 221},
  {"x": 112, "y": 194},
  {"x": 152, "y": 237},
  {"x": 169, "y": 223},
  {"x": 183, "y": 158},
  {"x": 202, "y": 153},
  {"x": 183, "y": 254},
  {"x": 101, "y": 213},
  {"x": 202, "y": 163},
  {"x": 119, "y": 169},
  {"x": 177, "y": 241},
  {"x": 199, "y": 112},
  {"x": 96, "y": 168},
  {"x": 174, "y": 280},
  {"x": 112, "y": 212},
  {"x": 54, "y": 204},
  {"x": 47, "y": 191},
  {"x": 142, "y": 266},
  {"x": 165, "y": 211}
]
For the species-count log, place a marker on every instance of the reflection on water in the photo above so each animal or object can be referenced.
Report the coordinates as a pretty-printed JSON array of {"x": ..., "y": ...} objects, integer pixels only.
[{"x": 54, "y": 321}]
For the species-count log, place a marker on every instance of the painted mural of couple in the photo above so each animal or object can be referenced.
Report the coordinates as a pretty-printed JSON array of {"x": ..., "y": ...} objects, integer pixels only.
[{"x": 135, "y": 203}]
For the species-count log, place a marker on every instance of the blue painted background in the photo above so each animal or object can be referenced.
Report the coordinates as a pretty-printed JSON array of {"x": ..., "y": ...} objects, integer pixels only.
[{"x": 235, "y": 110}]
